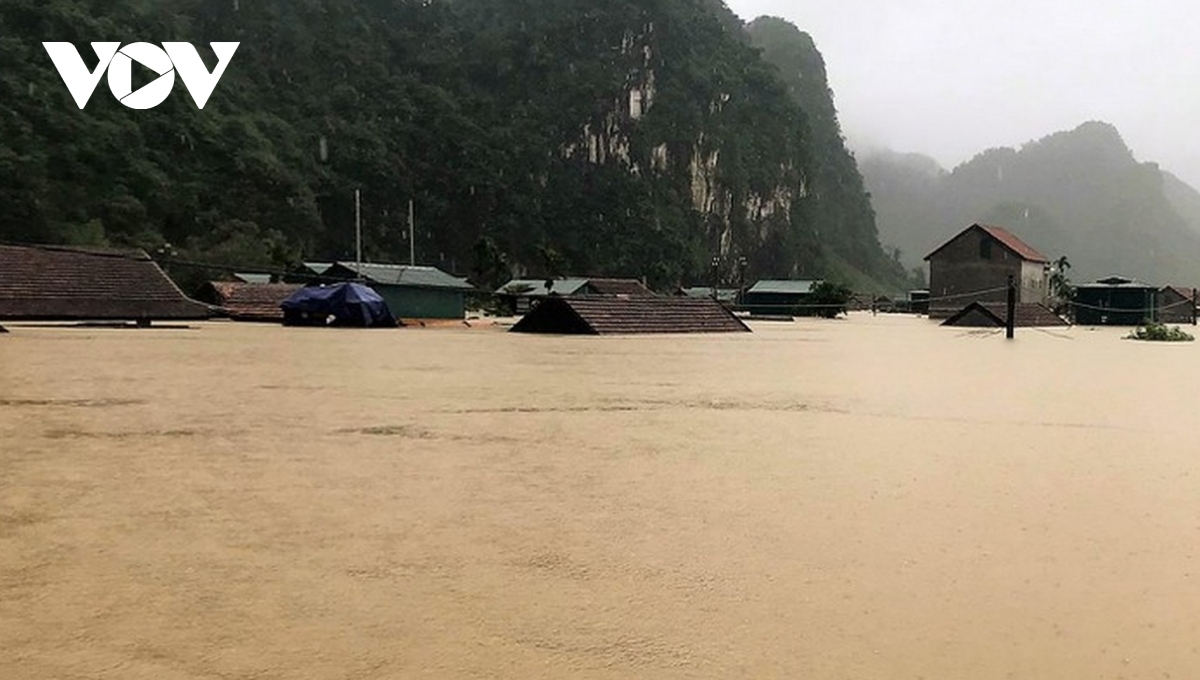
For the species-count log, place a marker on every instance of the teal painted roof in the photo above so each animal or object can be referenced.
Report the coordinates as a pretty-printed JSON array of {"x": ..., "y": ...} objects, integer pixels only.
[
  {"x": 537, "y": 287},
  {"x": 317, "y": 267},
  {"x": 406, "y": 275},
  {"x": 723, "y": 294},
  {"x": 786, "y": 287}
]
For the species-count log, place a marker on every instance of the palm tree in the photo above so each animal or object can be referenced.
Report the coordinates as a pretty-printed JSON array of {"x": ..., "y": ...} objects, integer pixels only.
[{"x": 1061, "y": 290}]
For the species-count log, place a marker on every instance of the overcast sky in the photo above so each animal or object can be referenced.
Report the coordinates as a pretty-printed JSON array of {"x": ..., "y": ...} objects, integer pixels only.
[{"x": 950, "y": 78}]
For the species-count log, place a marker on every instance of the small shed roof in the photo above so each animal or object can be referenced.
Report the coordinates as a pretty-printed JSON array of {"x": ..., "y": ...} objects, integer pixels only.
[
  {"x": 538, "y": 288},
  {"x": 723, "y": 294},
  {"x": 618, "y": 287},
  {"x": 604, "y": 315},
  {"x": 784, "y": 286},
  {"x": 416, "y": 276},
  {"x": 40, "y": 282},
  {"x": 246, "y": 277},
  {"x": 1006, "y": 238},
  {"x": 248, "y": 301}
]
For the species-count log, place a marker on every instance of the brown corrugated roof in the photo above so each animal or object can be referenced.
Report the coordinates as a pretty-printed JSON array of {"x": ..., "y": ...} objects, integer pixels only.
[
  {"x": 984, "y": 314},
  {"x": 1005, "y": 237},
  {"x": 248, "y": 301},
  {"x": 66, "y": 283},
  {"x": 630, "y": 287},
  {"x": 603, "y": 315}
]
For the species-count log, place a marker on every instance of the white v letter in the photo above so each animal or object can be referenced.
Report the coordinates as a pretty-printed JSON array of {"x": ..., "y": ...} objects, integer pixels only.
[
  {"x": 196, "y": 78},
  {"x": 81, "y": 83}
]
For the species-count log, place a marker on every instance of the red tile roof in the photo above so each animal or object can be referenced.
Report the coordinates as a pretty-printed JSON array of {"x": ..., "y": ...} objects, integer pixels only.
[
  {"x": 995, "y": 314},
  {"x": 603, "y": 315},
  {"x": 248, "y": 301},
  {"x": 1010, "y": 241},
  {"x": 1006, "y": 238},
  {"x": 631, "y": 287},
  {"x": 66, "y": 283}
]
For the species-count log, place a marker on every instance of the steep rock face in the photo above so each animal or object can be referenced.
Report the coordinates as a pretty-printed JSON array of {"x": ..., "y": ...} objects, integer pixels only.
[
  {"x": 586, "y": 135},
  {"x": 1079, "y": 193},
  {"x": 838, "y": 204}
]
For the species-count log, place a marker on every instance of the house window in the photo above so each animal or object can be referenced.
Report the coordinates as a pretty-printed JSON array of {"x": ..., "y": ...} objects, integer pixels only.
[{"x": 985, "y": 249}]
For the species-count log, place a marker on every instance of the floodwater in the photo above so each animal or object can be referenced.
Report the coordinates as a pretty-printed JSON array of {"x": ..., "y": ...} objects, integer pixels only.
[{"x": 866, "y": 498}]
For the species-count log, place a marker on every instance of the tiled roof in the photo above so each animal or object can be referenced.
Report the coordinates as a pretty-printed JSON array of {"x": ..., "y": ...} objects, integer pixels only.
[
  {"x": 64, "y": 283},
  {"x": 248, "y": 301},
  {"x": 603, "y": 315},
  {"x": 1006, "y": 238},
  {"x": 784, "y": 287},
  {"x": 631, "y": 287},
  {"x": 985, "y": 314},
  {"x": 402, "y": 275}
]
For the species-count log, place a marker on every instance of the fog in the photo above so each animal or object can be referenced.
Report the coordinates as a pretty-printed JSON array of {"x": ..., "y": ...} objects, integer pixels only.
[{"x": 951, "y": 79}]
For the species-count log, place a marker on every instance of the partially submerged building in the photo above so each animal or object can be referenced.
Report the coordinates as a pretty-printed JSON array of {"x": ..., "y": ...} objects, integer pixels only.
[
  {"x": 61, "y": 283},
  {"x": 242, "y": 301},
  {"x": 1115, "y": 301},
  {"x": 1176, "y": 304},
  {"x": 995, "y": 315},
  {"x": 974, "y": 266},
  {"x": 601, "y": 315},
  {"x": 411, "y": 292},
  {"x": 522, "y": 295},
  {"x": 779, "y": 297}
]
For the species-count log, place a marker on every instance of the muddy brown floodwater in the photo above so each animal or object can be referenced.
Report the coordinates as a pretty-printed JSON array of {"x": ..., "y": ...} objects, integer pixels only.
[{"x": 868, "y": 498}]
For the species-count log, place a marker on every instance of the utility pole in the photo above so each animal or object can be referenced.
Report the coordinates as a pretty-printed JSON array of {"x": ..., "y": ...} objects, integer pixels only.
[
  {"x": 412, "y": 237},
  {"x": 358, "y": 233},
  {"x": 716, "y": 276},
  {"x": 1011, "y": 324}
]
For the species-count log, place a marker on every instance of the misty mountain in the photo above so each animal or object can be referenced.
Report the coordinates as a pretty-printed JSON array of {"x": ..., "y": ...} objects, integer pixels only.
[
  {"x": 1079, "y": 193},
  {"x": 585, "y": 136}
]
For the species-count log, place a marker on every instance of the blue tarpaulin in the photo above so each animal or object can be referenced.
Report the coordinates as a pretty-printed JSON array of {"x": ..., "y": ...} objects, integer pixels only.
[{"x": 341, "y": 304}]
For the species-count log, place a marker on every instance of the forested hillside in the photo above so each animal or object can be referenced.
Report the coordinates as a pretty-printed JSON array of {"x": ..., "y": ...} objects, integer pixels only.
[
  {"x": 1079, "y": 193},
  {"x": 589, "y": 136}
]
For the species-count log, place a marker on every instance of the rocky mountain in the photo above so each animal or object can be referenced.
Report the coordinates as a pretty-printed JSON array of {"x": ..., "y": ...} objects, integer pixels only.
[
  {"x": 586, "y": 136},
  {"x": 1079, "y": 193}
]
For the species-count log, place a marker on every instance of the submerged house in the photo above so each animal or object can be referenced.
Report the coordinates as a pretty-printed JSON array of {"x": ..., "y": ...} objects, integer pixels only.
[
  {"x": 1115, "y": 301},
  {"x": 609, "y": 315},
  {"x": 522, "y": 295},
  {"x": 411, "y": 292},
  {"x": 60, "y": 283},
  {"x": 1176, "y": 304},
  {"x": 974, "y": 266},
  {"x": 995, "y": 315},
  {"x": 778, "y": 297},
  {"x": 726, "y": 296},
  {"x": 241, "y": 301}
]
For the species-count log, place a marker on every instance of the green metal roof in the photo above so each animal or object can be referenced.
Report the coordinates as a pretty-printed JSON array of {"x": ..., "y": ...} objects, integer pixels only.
[
  {"x": 537, "y": 287},
  {"x": 406, "y": 275},
  {"x": 782, "y": 286},
  {"x": 723, "y": 294},
  {"x": 317, "y": 268}
]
